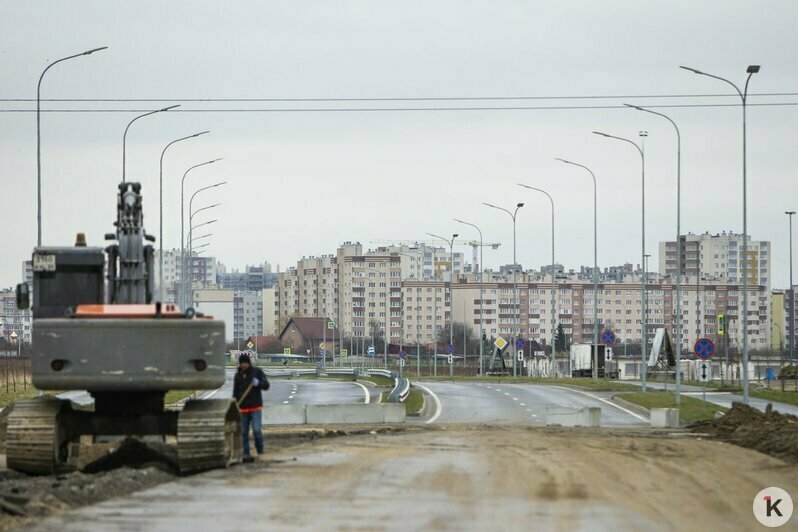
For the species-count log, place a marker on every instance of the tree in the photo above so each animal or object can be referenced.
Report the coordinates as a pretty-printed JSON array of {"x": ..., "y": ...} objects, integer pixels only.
[
  {"x": 560, "y": 339},
  {"x": 471, "y": 338}
]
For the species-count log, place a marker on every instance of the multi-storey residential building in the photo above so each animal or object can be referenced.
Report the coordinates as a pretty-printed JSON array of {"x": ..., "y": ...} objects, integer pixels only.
[
  {"x": 204, "y": 272},
  {"x": 253, "y": 278},
  {"x": 619, "y": 308},
  {"x": 245, "y": 313},
  {"x": 426, "y": 310},
  {"x": 13, "y": 320},
  {"x": 718, "y": 255}
]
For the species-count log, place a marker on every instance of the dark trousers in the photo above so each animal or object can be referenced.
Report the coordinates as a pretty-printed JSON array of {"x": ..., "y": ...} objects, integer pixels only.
[{"x": 255, "y": 419}]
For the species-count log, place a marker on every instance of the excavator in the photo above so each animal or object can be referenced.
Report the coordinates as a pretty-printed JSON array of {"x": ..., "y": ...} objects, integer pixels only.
[{"x": 96, "y": 327}]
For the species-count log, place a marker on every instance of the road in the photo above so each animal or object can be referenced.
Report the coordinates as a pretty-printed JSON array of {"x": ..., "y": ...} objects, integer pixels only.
[
  {"x": 467, "y": 478},
  {"x": 283, "y": 391},
  {"x": 469, "y": 402},
  {"x": 724, "y": 399}
]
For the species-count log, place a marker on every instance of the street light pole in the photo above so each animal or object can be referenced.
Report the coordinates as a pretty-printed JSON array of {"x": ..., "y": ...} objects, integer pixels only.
[
  {"x": 513, "y": 215},
  {"x": 451, "y": 301},
  {"x": 790, "y": 214},
  {"x": 481, "y": 296},
  {"x": 678, "y": 323},
  {"x": 124, "y": 136},
  {"x": 553, "y": 283},
  {"x": 160, "y": 215},
  {"x": 751, "y": 70},
  {"x": 182, "y": 223},
  {"x": 595, "y": 265},
  {"x": 190, "y": 224},
  {"x": 39, "y": 137},
  {"x": 644, "y": 324}
]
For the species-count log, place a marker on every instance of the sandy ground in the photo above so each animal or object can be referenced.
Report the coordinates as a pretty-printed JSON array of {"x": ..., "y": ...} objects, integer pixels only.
[{"x": 464, "y": 478}]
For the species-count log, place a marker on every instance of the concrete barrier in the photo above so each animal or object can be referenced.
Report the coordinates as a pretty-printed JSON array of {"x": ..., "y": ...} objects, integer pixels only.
[
  {"x": 394, "y": 412},
  {"x": 664, "y": 417},
  {"x": 327, "y": 414},
  {"x": 573, "y": 417},
  {"x": 284, "y": 415}
]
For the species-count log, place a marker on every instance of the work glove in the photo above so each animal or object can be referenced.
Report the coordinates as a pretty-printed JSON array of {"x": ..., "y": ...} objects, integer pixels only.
[{"x": 255, "y": 382}]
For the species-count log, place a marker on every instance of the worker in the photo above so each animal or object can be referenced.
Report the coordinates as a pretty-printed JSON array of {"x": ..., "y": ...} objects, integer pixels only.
[{"x": 248, "y": 386}]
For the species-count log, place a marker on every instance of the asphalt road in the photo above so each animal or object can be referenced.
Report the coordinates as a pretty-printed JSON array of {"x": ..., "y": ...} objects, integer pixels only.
[
  {"x": 282, "y": 391},
  {"x": 470, "y": 402},
  {"x": 724, "y": 399}
]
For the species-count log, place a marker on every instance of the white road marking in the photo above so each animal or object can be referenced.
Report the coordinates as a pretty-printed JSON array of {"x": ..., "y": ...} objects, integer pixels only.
[
  {"x": 507, "y": 393},
  {"x": 438, "y": 408},
  {"x": 515, "y": 398},
  {"x": 528, "y": 409},
  {"x": 522, "y": 404},
  {"x": 290, "y": 396},
  {"x": 619, "y": 407},
  {"x": 365, "y": 391},
  {"x": 285, "y": 402}
]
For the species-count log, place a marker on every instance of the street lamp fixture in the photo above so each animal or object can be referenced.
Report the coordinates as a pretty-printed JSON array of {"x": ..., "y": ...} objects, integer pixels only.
[
  {"x": 751, "y": 70},
  {"x": 481, "y": 297},
  {"x": 124, "y": 136},
  {"x": 39, "y": 136},
  {"x": 160, "y": 203}
]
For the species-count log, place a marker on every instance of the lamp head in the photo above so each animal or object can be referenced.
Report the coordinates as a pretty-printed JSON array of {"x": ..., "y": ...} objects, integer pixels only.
[
  {"x": 89, "y": 52},
  {"x": 643, "y": 133},
  {"x": 752, "y": 69},
  {"x": 693, "y": 70},
  {"x": 169, "y": 108},
  {"x": 600, "y": 133}
]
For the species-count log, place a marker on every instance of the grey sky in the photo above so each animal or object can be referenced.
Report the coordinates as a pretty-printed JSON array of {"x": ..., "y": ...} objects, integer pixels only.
[{"x": 300, "y": 183}]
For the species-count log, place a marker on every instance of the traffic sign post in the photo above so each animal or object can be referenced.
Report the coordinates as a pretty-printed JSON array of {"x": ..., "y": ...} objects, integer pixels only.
[
  {"x": 371, "y": 351},
  {"x": 608, "y": 338},
  {"x": 344, "y": 353},
  {"x": 520, "y": 343},
  {"x": 286, "y": 350},
  {"x": 704, "y": 348},
  {"x": 450, "y": 359},
  {"x": 500, "y": 343},
  {"x": 608, "y": 354},
  {"x": 520, "y": 355},
  {"x": 704, "y": 374}
]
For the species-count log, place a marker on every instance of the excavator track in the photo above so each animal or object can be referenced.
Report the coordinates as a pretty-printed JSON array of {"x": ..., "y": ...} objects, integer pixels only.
[
  {"x": 35, "y": 440},
  {"x": 208, "y": 435}
]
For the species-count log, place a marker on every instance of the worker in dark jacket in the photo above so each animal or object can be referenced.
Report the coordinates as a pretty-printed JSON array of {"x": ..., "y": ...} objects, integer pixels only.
[{"x": 248, "y": 384}]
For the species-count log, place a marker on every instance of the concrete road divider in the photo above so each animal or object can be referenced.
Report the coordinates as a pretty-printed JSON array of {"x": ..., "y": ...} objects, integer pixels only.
[
  {"x": 354, "y": 414},
  {"x": 284, "y": 415},
  {"x": 666, "y": 418},
  {"x": 394, "y": 412},
  {"x": 573, "y": 417}
]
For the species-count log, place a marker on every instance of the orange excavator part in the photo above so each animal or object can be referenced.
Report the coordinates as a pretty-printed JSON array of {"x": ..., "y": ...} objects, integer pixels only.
[{"x": 127, "y": 311}]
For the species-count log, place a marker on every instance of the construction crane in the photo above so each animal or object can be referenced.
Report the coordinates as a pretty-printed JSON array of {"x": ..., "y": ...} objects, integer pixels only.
[{"x": 475, "y": 245}]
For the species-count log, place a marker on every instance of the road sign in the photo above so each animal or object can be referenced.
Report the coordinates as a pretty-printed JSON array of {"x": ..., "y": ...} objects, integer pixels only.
[
  {"x": 608, "y": 338},
  {"x": 344, "y": 353},
  {"x": 500, "y": 342},
  {"x": 540, "y": 353},
  {"x": 321, "y": 352},
  {"x": 721, "y": 324},
  {"x": 704, "y": 347},
  {"x": 250, "y": 344},
  {"x": 608, "y": 354},
  {"x": 401, "y": 362},
  {"x": 450, "y": 359},
  {"x": 371, "y": 350},
  {"x": 520, "y": 355},
  {"x": 322, "y": 346},
  {"x": 331, "y": 325},
  {"x": 402, "y": 354},
  {"x": 519, "y": 343},
  {"x": 704, "y": 371},
  {"x": 450, "y": 349},
  {"x": 286, "y": 350}
]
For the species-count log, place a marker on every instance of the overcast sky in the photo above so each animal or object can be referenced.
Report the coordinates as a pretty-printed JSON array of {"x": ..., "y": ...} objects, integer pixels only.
[{"x": 302, "y": 182}]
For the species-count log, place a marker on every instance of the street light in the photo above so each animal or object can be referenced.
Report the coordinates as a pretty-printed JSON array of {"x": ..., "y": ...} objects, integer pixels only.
[
  {"x": 790, "y": 214},
  {"x": 553, "y": 282},
  {"x": 644, "y": 323},
  {"x": 207, "y": 235},
  {"x": 418, "y": 324},
  {"x": 39, "y": 136},
  {"x": 678, "y": 248},
  {"x": 481, "y": 295},
  {"x": 595, "y": 265},
  {"x": 124, "y": 136},
  {"x": 513, "y": 215},
  {"x": 191, "y": 217},
  {"x": 751, "y": 70},
  {"x": 160, "y": 202},
  {"x": 451, "y": 301},
  {"x": 182, "y": 217}
]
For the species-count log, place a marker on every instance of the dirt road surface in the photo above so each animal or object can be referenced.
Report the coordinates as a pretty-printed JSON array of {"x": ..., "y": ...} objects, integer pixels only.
[{"x": 463, "y": 478}]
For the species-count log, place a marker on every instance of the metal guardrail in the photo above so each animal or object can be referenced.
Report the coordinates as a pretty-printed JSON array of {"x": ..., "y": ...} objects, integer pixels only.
[
  {"x": 400, "y": 391},
  {"x": 388, "y": 374}
]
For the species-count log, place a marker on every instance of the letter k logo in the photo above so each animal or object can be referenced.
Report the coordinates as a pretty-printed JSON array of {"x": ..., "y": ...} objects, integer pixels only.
[{"x": 772, "y": 506}]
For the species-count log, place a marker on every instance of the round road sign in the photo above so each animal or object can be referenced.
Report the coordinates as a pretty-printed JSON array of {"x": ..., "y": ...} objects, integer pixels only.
[
  {"x": 608, "y": 338},
  {"x": 704, "y": 347}
]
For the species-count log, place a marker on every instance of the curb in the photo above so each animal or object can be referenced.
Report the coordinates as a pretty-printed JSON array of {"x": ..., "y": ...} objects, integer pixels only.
[{"x": 643, "y": 411}]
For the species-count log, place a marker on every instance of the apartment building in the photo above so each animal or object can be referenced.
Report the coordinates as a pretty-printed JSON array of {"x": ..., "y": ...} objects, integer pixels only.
[
  {"x": 203, "y": 270},
  {"x": 620, "y": 308},
  {"x": 426, "y": 310},
  {"x": 253, "y": 278},
  {"x": 718, "y": 256},
  {"x": 13, "y": 320}
]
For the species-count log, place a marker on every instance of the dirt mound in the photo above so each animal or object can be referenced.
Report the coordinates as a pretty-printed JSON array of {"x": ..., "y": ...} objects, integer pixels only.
[
  {"x": 136, "y": 454},
  {"x": 768, "y": 432}
]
